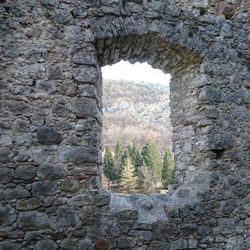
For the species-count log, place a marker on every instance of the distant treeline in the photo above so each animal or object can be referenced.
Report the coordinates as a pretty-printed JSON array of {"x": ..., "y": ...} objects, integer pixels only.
[{"x": 132, "y": 169}]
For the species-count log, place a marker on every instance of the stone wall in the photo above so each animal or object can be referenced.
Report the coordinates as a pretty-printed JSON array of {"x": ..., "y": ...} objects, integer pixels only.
[{"x": 52, "y": 52}]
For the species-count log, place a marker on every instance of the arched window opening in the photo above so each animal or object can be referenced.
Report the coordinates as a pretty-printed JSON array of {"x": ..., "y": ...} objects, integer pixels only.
[{"x": 137, "y": 145}]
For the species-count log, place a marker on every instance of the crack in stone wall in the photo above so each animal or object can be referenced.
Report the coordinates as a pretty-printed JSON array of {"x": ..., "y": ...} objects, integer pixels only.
[{"x": 52, "y": 52}]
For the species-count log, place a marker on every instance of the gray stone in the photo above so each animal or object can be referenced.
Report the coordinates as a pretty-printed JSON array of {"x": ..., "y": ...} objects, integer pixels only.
[
  {"x": 192, "y": 243},
  {"x": 77, "y": 154},
  {"x": 87, "y": 107},
  {"x": 67, "y": 217},
  {"x": 15, "y": 193},
  {"x": 5, "y": 155},
  {"x": 7, "y": 216},
  {"x": 70, "y": 186},
  {"x": 62, "y": 16},
  {"x": 55, "y": 73},
  {"x": 28, "y": 204},
  {"x": 127, "y": 215},
  {"x": 101, "y": 199},
  {"x": 88, "y": 90},
  {"x": 45, "y": 244},
  {"x": 25, "y": 172},
  {"x": 6, "y": 175},
  {"x": 44, "y": 188},
  {"x": 159, "y": 245},
  {"x": 228, "y": 206},
  {"x": 7, "y": 245},
  {"x": 50, "y": 171},
  {"x": 235, "y": 243},
  {"x": 48, "y": 136},
  {"x": 49, "y": 3},
  {"x": 123, "y": 243},
  {"x": 146, "y": 236},
  {"x": 20, "y": 125},
  {"x": 67, "y": 244},
  {"x": 33, "y": 220},
  {"x": 85, "y": 245},
  {"x": 178, "y": 244},
  {"x": 84, "y": 58},
  {"x": 86, "y": 74}
]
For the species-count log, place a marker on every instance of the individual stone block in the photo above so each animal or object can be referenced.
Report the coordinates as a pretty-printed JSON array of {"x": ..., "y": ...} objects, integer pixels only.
[
  {"x": 6, "y": 175},
  {"x": 126, "y": 242},
  {"x": 178, "y": 244},
  {"x": 7, "y": 245},
  {"x": 33, "y": 220},
  {"x": 50, "y": 171},
  {"x": 20, "y": 125},
  {"x": 192, "y": 243},
  {"x": 67, "y": 217},
  {"x": 45, "y": 244},
  {"x": 28, "y": 204},
  {"x": 101, "y": 245},
  {"x": 15, "y": 193},
  {"x": 5, "y": 155},
  {"x": 55, "y": 73},
  {"x": 25, "y": 172},
  {"x": 86, "y": 74},
  {"x": 70, "y": 186},
  {"x": 84, "y": 58},
  {"x": 127, "y": 215},
  {"x": 87, "y": 107},
  {"x": 48, "y": 136},
  {"x": 85, "y": 244},
  {"x": 77, "y": 154},
  {"x": 7, "y": 216},
  {"x": 44, "y": 188},
  {"x": 68, "y": 244}
]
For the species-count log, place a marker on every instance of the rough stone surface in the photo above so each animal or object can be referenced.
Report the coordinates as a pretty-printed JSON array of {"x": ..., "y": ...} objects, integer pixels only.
[
  {"x": 52, "y": 52},
  {"x": 48, "y": 136}
]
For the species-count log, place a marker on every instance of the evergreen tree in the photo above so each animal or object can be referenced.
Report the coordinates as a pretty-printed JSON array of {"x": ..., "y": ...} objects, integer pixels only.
[
  {"x": 128, "y": 180},
  {"x": 118, "y": 159},
  {"x": 145, "y": 181},
  {"x": 168, "y": 169},
  {"x": 109, "y": 164},
  {"x": 125, "y": 158},
  {"x": 152, "y": 157},
  {"x": 135, "y": 156}
]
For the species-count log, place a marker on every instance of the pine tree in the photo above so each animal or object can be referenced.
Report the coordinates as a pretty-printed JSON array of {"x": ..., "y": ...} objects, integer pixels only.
[
  {"x": 135, "y": 156},
  {"x": 152, "y": 157},
  {"x": 125, "y": 158},
  {"x": 128, "y": 180},
  {"x": 145, "y": 181},
  {"x": 168, "y": 169},
  {"x": 118, "y": 159},
  {"x": 109, "y": 164}
]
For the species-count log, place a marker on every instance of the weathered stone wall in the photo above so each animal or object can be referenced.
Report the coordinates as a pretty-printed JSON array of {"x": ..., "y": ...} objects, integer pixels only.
[{"x": 51, "y": 122}]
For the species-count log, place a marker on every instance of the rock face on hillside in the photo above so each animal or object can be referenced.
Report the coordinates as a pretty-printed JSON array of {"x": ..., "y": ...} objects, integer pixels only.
[
  {"x": 51, "y": 124},
  {"x": 136, "y": 112}
]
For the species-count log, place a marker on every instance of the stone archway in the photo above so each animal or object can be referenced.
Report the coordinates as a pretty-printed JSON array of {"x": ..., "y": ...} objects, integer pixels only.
[{"x": 51, "y": 125}]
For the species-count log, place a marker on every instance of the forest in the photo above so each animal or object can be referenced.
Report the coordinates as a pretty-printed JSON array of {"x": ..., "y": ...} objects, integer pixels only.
[{"x": 133, "y": 169}]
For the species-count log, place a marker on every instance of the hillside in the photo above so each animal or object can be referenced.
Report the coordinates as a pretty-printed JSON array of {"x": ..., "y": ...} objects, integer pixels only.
[{"x": 136, "y": 112}]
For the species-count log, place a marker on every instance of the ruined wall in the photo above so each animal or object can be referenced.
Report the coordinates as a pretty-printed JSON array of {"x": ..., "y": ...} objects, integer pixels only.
[{"x": 51, "y": 122}]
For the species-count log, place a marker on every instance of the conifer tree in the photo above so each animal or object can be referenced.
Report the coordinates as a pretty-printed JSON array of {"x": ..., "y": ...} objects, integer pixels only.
[
  {"x": 135, "y": 156},
  {"x": 125, "y": 157},
  {"x": 109, "y": 164},
  {"x": 145, "y": 181},
  {"x": 118, "y": 159},
  {"x": 152, "y": 157},
  {"x": 128, "y": 179},
  {"x": 168, "y": 169}
]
